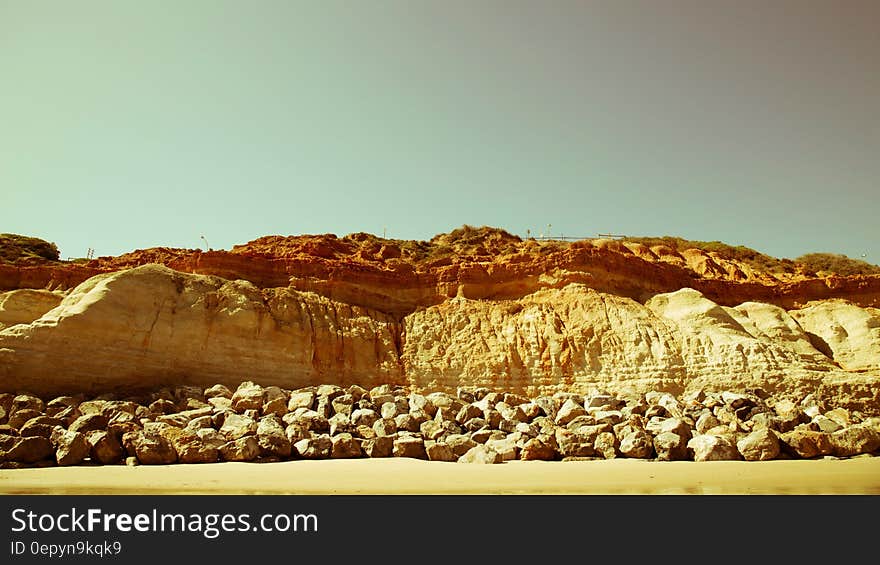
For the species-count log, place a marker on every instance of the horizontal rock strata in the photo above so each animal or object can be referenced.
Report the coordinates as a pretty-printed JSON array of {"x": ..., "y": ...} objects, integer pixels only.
[{"x": 151, "y": 326}]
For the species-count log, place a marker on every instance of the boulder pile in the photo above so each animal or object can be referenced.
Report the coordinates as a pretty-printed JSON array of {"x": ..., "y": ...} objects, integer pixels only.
[{"x": 266, "y": 424}]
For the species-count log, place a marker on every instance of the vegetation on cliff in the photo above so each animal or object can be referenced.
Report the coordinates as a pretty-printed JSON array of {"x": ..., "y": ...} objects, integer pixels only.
[{"x": 14, "y": 248}]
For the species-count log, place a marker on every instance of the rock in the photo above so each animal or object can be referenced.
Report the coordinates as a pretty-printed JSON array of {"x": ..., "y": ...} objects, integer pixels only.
[
  {"x": 840, "y": 416},
  {"x": 843, "y": 331},
  {"x": 218, "y": 391},
  {"x": 272, "y": 437},
  {"x": 275, "y": 401},
  {"x": 826, "y": 425},
  {"x": 670, "y": 447},
  {"x": 854, "y": 440},
  {"x": 572, "y": 444},
  {"x": 27, "y": 402},
  {"x": 538, "y": 449},
  {"x": 568, "y": 412},
  {"x": 637, "y": 445},
  {"x": 151, "y": 448},
  {"x": 385, "y": 427},
  {"x": 364, "y": 417},
  {"x": 419, "y": 402},
  {"x": 28, "y": 450},
  {"x": 760, "y": 445},
  {"x": 71, "y": 448},
  {"x": 343, "y": 404},
  {"x": 706, "y": 422},
  {"x": 344, "y": 446},
  {"x": 312, "y": 420},
  {"x": 89, "y": 423},
  {"x": 409, "y": 447},
  {"x": 806, "y": 444},
  {"x": 605, "y": 444},
  {"x": 340, "y": 423},
  {"x": 481, "y": 454},
  {"x": 301, "y": 399},
  {"x": 460, "y": 444},
  {"x": 20, "y": 417},
  {"x": 318, "y": 447},
  {"x": 735, "y": 400},
  {"x": 161, "y": 406},
  {"x": 236, "y": 426},
  {"x": 39, "y": 426},
  {"x": 104, "y": 447},
  {"x": 547, "y": 405},
  {"x": 200, "y": 423},
  {"x": 468, "y": 412},
  {"x": 380, "y": 446},
  {"x": 438, "y": 451},
  {"x": 506, "y": 448},
  {"x": 242, "y": 449},
  {"x": 713, "y": 448},
  {"x": 191, "y": 449},
  {"x": 248, "y": 396},
  {"x": 407, "y": 422}
]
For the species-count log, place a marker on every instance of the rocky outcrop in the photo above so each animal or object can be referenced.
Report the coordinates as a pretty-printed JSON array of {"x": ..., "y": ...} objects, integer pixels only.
[
  {"x": 842, "y": 330},
  {"x": 151, "y": 325},
  {"x": 23, "y": 306}
]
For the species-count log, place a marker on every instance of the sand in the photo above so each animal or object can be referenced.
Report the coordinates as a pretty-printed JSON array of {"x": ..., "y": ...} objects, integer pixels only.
[{"x": 859, "y": 475}]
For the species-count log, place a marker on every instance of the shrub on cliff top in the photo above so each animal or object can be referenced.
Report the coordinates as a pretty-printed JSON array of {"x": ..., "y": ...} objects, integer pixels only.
[
  {"x": 837, "y": 264},
  {"x": 15, "y": 247}
]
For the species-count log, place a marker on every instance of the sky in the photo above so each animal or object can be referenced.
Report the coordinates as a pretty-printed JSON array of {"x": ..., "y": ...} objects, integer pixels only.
[{"x": 128, "y": 124}]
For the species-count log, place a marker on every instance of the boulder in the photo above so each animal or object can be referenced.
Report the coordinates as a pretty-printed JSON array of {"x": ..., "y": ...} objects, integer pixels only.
[
  {"x": 760, "y": 445},
  {"x": 272, "y": 437},
  {"x": 242, "y": 449},
  {"x": 573, "y": 444},
  {"x": 89, "y": 423},
  {"x": 637, "y": 445},
  {"x": 344, "y": 446},
  {"x": 318, "y": 447},
  {"x": 481, "y": 454},
  {"x": 191, "y": 449},
  {"x": 412, "y": 447},
  {"x": 568, "y": 412},
  {"x": 854, "y": 440},
  {"x": 806, "y": 443},
  {"x": 538, "y": 449},
  {"x": 150, "y": 448},
  {"x": 236, "y": 426},
  {"x": 506, "y": 448},
  {"x": 439, "y": 451},
  {"x": 71, "y": 448},
  {"x": 104, "y": 447},
  {"x": 605, "y": 445},
  {"x": 380, "y": 446},
  {"x": 28, "y": 449},
  {"x": 248, "y": 396},
  {"x": 670, "y": 447},
  {"x": 713, "y": 448},
  {"x": 301, "y": 399}
]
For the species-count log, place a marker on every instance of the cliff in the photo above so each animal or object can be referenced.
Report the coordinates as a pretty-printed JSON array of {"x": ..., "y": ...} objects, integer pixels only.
[{"x": 486, "y": 310}]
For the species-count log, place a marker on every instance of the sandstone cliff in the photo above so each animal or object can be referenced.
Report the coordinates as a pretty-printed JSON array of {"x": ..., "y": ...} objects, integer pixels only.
[
  {"x": 150, "y": 325},
  {"x": 476, "y": 307}
]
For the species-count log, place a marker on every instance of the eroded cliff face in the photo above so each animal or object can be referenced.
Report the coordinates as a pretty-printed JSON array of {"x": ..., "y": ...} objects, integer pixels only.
[
  {"x": 151, "y": 325},
  {"x": 398, "y": 277}
]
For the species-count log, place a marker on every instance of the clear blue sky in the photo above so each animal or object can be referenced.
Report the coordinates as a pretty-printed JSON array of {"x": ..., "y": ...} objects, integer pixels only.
[{"x": 130, "y": 124}]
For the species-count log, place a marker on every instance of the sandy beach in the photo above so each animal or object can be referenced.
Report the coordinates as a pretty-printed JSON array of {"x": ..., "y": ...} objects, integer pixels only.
[{"x": 409, "y": 476}]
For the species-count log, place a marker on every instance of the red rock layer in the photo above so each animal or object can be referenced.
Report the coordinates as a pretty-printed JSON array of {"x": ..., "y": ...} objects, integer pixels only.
[{"x": 399, "y": 277}]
